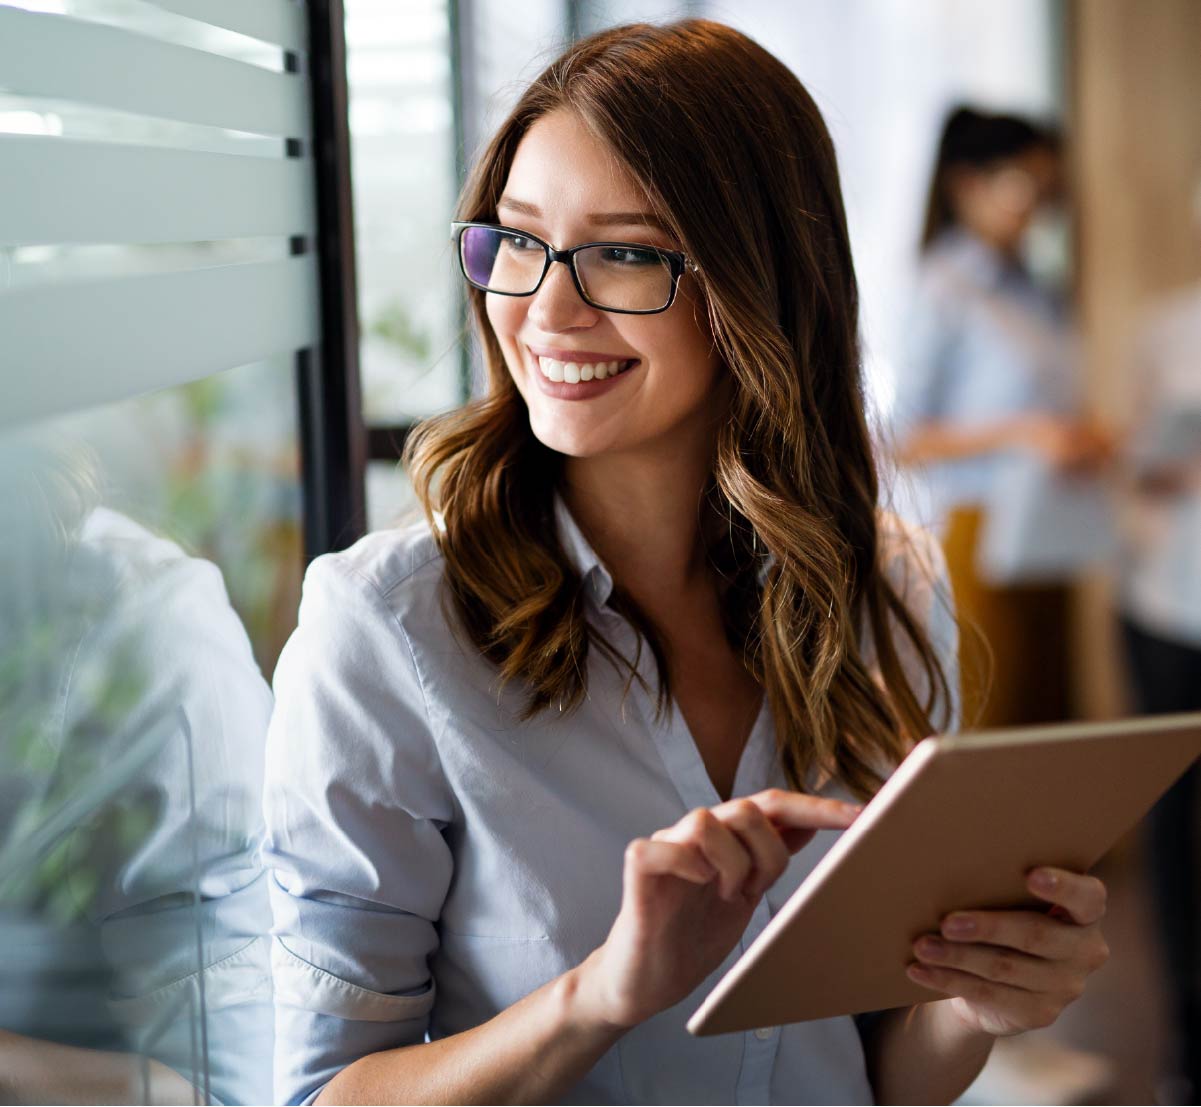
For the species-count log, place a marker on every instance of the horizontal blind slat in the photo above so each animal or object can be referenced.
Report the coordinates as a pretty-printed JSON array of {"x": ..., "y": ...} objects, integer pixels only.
[
  {"x": 70, "y": 59},
  {"x": 69, "y": 347},
  {"x": 58, "y": 190},
  {"x": 277, "y": 21}
]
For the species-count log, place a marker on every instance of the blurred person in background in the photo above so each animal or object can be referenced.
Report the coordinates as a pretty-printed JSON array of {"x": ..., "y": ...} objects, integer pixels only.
[
  {"x": 990, "y": 374},
  {"x": 1160, "y": 599}
]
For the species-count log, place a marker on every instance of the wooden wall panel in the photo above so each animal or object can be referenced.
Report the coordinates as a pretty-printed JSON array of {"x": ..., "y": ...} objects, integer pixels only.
[{"x": 1135, "y": 145}]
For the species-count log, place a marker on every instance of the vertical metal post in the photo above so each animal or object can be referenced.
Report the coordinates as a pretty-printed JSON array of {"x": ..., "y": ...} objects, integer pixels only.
[
  {"x": 465, "y": 109},
  {"x": 333, "y": 442}
]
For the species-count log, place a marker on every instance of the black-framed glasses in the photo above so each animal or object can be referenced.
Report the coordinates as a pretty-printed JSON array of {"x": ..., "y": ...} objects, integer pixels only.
[{"x": 624, "y": 277}]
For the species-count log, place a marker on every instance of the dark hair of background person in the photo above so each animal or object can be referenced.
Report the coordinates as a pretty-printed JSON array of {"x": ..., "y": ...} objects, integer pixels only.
[
  {"x": 735, "y": 158},
  {"x": 974, "y": 139}
]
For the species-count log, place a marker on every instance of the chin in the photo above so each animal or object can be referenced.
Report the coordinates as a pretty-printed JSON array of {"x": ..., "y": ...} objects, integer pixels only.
[{"x": 571, "y": 442}]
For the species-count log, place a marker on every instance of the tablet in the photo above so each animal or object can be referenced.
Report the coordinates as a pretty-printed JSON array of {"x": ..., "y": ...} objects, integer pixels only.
[{"x": 957, "y": 826}]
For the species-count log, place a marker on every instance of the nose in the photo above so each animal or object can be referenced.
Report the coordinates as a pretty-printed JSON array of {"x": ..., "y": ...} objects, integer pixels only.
[{"x": 557, "y": 305}]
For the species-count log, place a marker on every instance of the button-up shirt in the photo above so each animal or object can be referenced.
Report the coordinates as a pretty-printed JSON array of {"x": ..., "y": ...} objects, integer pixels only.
[{"x": 435, "y": 859}]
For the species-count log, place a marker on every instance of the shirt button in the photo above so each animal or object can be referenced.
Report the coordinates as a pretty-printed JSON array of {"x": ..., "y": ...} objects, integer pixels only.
[{"x": 764, "y": 1033}]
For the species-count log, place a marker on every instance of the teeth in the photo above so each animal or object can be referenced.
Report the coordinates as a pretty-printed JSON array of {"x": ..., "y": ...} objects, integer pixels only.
[{"x": 573, "y": 372}]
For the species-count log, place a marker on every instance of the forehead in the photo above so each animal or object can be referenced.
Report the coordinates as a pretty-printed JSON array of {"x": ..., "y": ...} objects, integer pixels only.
[{"x": 560, "y": 165}]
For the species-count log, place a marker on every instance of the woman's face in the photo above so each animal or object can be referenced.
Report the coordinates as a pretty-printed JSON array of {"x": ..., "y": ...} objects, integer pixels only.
[
  {"x": 999, "y": 203},
  {"x": 566, "y": 187}
]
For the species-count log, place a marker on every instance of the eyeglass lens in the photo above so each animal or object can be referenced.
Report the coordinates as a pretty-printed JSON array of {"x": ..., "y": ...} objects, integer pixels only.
[{"x": 623, "y": 278}]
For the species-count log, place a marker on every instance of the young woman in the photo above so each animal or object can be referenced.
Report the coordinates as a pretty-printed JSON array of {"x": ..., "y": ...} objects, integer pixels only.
[
  {"x": 542, "y": 767},
  {"x": 991, "y": 375}
]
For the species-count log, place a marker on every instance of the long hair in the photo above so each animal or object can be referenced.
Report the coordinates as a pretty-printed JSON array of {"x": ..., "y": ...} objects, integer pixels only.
[
  {"x": 974, "y": 139},
  {"x": 736, "y": 160}
]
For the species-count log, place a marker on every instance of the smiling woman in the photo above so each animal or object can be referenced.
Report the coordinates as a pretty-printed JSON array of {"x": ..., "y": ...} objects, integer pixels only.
[{"x": 543, "y": 763}]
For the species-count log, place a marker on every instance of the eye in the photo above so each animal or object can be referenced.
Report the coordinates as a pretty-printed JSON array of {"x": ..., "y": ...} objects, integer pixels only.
[
  {"x": 520, "y": 245},
  {"x": 630, "y": 256}
]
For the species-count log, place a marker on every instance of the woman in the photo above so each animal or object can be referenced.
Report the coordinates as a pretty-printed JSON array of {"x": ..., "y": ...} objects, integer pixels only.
[
  {"x": 506, "y": 743},
  {"x": 1160, "y": 603},
  {"x": 990, "y": 379}
]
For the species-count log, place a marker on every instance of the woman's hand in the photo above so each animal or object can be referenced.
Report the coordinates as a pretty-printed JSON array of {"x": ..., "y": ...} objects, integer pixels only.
[
  {"x": 689, "y": 892},
  {"x": 1010, "y": 971},
  {"x": 1074, "y": 446}
]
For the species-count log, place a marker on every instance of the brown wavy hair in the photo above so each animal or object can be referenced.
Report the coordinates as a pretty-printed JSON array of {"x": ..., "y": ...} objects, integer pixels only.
[{"x": 736, "y": 160}]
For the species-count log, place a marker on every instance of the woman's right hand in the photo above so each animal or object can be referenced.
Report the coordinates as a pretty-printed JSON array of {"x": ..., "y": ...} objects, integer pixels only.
[
  {"x": 688, "y": 894},
  {"x": 1074, "y": 446}
]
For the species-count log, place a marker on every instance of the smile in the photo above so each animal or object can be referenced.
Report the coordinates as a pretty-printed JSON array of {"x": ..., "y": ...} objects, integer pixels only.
[{"x": 573, "y": 372}]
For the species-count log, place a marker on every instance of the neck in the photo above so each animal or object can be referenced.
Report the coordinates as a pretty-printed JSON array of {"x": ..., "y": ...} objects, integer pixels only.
[
  {"x": 1007, "y": 247},
  {"x": 642, "y": 516}
]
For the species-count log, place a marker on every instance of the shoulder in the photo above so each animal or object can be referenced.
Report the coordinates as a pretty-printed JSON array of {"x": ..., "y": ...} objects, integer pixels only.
[
  {"x": 944, "y": 269},
  {"x": 370, "y": 615},
  {"x": 350, "y": 691},
  {"x": 385, "y": 561},
  {"x": 396, "y": 574}
]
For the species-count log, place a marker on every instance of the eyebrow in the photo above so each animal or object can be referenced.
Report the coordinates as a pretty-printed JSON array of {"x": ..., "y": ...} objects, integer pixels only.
[{"x": 597, "y": 219}]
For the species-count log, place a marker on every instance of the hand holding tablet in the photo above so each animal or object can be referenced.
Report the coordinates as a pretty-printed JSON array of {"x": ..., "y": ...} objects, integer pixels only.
[
  {"x": 1012, "y": 971},
  {"x": 957, "y": 829}
]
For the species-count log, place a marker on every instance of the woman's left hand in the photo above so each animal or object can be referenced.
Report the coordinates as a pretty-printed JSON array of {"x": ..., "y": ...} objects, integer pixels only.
[{"x": 1011, "y": 971}]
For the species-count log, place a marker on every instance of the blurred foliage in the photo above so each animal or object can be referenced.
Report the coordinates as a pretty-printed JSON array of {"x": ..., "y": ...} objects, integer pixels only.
[{"x": 395, "y": 325}]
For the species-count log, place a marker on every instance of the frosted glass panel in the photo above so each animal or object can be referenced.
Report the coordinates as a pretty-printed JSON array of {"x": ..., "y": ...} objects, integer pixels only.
[
  {"x": 277, "y": 21},
  {"x": 60, "y": 190},
  {"x": 57, "y": 55},
  {"x": 71, "y": 345}
]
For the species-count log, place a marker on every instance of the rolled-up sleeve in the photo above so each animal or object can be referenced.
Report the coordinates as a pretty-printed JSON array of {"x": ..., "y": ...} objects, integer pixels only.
[{"x": 355, "y": 804}]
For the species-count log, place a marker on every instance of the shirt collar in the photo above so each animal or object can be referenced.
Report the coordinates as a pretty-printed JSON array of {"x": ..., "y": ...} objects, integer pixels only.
[{"x": 581, "y": 555}]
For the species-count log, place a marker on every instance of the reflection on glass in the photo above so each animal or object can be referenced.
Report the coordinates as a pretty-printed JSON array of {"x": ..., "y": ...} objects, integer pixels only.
[{"x": 133, "y": 958}]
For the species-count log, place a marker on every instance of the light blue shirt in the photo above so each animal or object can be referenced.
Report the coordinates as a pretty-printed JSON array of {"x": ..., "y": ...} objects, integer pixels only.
[
  {"x": 435, "y": 860},
  {"x": 984, "y": 342}
]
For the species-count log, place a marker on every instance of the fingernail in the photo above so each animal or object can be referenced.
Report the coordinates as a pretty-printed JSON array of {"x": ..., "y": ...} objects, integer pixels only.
[
  {"x": 959, "y": 926},
  {"x": 930, "y": 947},
  {"x": 919, "y": 973},
  {"x": 1043, "y": 880}
]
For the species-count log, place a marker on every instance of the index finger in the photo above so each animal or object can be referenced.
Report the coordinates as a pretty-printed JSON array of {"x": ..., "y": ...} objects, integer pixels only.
[
  {"x": 798, "y": 811},
  {"x": 1081, "y": 896}
]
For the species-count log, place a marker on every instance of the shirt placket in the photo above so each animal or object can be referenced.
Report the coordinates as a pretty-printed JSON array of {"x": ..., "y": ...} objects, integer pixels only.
[{"x": 686, "y": 768}]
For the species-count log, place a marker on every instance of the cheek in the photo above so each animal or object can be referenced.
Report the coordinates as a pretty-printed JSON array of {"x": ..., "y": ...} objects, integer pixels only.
[
  {"x": 690, "y": 347},
  {"x": 506, "y": 315}
]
